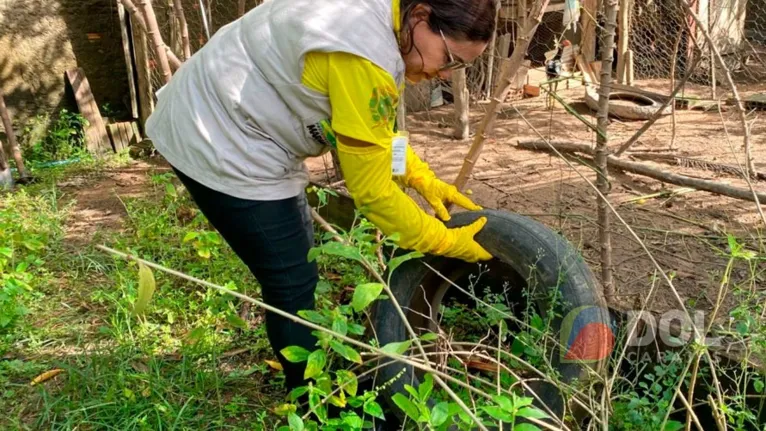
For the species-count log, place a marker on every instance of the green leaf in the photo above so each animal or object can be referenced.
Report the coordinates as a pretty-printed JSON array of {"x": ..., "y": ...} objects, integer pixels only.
[
  {"x": 504, "y": 402},
  {"x": 295, "y": 353},
  {"x": 314, "y": 252},
  {"x": 356, "y": 329},
  {"x": 285, "y": 409},
  {"x": 298, "y": 392},
  {"x": 7, "y": 252},
  {"x": 440, "y": 414},
  {"x": 733, "y": 246},
  {"x": 33, "y": 244},
  {"x": 673, "y": 426},
  {"x": 170, "y": 190},
  {"x": 314, "y": 317},
  {"x": 340, "y": 326},
  {"x": 364, "y": 294},
  {"x": 346, "y": 351},
  {"x": 397, "y": 348},
  {"x": 337, "y": 249},
  {"x": 532, "y": 412},
  {"x": 395, "y": 262},
  {"x": 537, "y": 322},
  {"x": 348, "y": 378},
  {"x": 520, "y": 402},
  {"x": 236, "y": 321},
  {"x": 408, "y": 407},
  {"x": 526, "y": 427},
  {"x": 372, "y": 408},
  {"x": 429, "y": 336},
  {"x": 758, "y": 385},
  {"x": 146, "y": 286},
  {"x": 295, "y": 421},
  {"x": 190, "y": 236},
  {"x": 316, "y": 362},
  {"x": 498, "y": 413},
  {"x": 425, "y": 388}
]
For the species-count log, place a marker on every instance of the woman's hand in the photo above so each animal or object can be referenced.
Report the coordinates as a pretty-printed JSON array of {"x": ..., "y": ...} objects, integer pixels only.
[{"x": 437, "y": 193}]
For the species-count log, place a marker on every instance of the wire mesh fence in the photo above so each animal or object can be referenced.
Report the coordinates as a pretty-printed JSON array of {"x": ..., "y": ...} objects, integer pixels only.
[{"x": 663, "y": 38}]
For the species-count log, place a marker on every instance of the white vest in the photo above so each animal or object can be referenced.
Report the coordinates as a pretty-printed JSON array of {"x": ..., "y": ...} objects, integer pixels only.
[{"x": 236, "y": 117}]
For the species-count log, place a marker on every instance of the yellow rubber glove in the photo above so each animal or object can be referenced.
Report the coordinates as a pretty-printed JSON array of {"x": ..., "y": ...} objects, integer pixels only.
[
  {"x": 420, "y": 177},
  {"x": 367, "y": 171}
]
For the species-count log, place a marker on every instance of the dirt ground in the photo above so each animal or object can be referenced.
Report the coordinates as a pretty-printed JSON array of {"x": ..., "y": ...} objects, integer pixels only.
[{"x": 682, "y": 231}]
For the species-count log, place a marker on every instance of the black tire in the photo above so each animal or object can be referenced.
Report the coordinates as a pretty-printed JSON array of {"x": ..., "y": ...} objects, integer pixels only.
[{"x": 536, "y": 254}]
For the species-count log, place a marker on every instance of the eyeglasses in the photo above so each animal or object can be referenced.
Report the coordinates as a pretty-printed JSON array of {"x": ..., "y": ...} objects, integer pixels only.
[{"x": 452, "y": 64}]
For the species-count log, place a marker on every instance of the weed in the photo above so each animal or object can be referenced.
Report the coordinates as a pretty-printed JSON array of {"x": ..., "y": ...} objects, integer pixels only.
[{"x": 48, "y": 140}]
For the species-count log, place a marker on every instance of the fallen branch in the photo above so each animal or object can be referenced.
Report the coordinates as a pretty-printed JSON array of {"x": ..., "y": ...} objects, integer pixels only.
[
  {"x": 689, "y": 162},
  {"x": 648, "y": 171}
]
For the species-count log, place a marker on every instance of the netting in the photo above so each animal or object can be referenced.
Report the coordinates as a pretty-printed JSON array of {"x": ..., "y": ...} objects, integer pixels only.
[{"x": 663, "y": 35}]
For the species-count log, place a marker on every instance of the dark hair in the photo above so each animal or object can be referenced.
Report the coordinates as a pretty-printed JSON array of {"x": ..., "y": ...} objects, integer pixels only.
[{"x": 463, "y": 20}]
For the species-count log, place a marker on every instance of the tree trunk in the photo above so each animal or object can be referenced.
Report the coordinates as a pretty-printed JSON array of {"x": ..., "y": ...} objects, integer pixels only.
[
  {"x": 589, "y": 24},
  {"x": 602, "y": 147},
  {"x": 154, "y": 34},
  {"x": 460, "y": 91},
  {"x": 184, "y": 27},
  {"x": 13, "y": 144},
  {"x": 501, "y": 90},
  {"x": 138, "y": 18}
]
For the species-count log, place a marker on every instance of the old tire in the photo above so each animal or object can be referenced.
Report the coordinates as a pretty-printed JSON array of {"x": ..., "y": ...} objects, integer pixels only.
[
  {"x": 537, "y": 255},
  {"x": 638, "y": 107}
]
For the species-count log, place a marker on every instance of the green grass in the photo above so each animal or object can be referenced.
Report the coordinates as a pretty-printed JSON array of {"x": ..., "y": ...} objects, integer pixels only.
[{"x": 191, "y": 362}]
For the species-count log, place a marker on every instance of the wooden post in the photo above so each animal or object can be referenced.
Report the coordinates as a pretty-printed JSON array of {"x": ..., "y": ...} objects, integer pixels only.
[
  {"x": 13, "y": 144},
  {"x": 589, "y": 24},
  {"x": 96, "y": 138},
  {"x": 138, "y": 18},
  {"x": 460, "y": 92},
  {"x": 624, "y": 40},
  {"x": 504, "y": 82},
  {"x": 602, "y": 147},
  {"x": 128, "y": 59},
  {"x": 241, "y": 8},
  {"x": 143, "y": 73},
  {"x": 174, "y": 43}
]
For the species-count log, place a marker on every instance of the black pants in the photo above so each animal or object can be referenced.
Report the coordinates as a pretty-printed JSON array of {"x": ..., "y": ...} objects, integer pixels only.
[{"x": 273, "y": 239}]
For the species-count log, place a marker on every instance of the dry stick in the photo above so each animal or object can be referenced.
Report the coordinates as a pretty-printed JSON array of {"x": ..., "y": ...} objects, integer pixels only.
[
  {"x": 153, "y": 31},
  {"x": 602, "y": 148},
  {"x": 322, "y": 222},
  {"x": 138, "y": 17},
  {"x": 501, "y": 91},
  {"x": 738, "y": 100},
  {"x": 181, "y": 17},
  {"x": 661, "y": 109},
  {"x": 13, "y": 144},
  {"x": 667, "y": 177}
]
